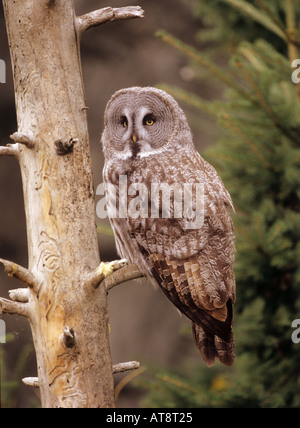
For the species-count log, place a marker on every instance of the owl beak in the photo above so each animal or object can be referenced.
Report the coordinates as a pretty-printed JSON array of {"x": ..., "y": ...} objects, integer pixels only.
[{"x": 134, "y": 138}]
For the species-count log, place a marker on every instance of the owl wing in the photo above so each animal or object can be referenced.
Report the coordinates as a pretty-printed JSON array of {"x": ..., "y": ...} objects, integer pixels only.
[{"x": 194, "y": 269}]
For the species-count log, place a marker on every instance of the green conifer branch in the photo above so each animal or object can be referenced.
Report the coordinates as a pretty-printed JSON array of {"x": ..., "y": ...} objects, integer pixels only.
[
  {"x": 261, "y": 56},
  {"x": 230, "y": 123},
  {"x": 218, "y": 113},
  {"x": 272, "y": 15},
  {"x": 192, "y": 53},
  {"x": 262, "y": 102},
  {"x": 261, "y": 99},
  {"x": 291, "y": 30},
  {"x": 197, "y": 56},
  {"x": 258, "y": 16},
  {"x": 191, "y": 99},
  {"x": 260, "y": 165}
]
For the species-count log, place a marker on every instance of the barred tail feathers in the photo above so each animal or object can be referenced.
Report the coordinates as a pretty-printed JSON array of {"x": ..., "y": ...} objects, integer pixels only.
[{"x": 213, "y": 347}]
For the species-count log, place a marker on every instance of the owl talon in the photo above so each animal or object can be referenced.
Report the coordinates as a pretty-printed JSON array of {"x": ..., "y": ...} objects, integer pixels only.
[{"x": 105, "y": 269}]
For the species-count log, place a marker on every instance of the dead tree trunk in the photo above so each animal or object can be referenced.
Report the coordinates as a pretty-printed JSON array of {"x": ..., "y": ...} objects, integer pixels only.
[{"x": 66, "y": 309}]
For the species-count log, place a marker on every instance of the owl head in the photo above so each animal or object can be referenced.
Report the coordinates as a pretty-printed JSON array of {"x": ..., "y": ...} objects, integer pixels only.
[{"x": 141, "y": 122}]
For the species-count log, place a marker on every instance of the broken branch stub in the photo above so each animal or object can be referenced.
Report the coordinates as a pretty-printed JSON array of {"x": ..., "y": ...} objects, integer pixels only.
[{"x": 107, "y": 15}]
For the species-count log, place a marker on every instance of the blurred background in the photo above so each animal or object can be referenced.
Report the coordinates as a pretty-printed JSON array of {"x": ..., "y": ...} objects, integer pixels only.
[{"x": 144, "y": 325}]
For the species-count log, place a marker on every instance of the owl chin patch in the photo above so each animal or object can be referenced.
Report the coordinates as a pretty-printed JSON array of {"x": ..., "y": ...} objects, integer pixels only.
[{"x": 135, "y": 149}]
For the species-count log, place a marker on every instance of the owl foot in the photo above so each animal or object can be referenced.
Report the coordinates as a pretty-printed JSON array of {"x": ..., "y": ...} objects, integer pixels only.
[
  {"x": 103, "y": 271},
  {"x": 107, "y": 268}
]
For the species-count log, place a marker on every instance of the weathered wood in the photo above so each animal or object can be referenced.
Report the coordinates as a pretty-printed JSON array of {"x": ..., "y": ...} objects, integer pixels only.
[
  {"x": 69, "y": 320},
  {"x": 124, "y": 367},
  {"x": 107, "y": 15},
  {"x": 59, "y": 205}
]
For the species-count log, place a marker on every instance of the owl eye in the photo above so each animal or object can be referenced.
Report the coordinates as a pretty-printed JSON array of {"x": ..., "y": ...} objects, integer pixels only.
[
  {"x": 149, "y": 120},
  {"x": 124, "y": 121}
]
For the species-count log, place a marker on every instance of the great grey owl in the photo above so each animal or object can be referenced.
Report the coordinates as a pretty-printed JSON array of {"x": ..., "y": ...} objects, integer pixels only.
[{"x": 169, "y": 211}]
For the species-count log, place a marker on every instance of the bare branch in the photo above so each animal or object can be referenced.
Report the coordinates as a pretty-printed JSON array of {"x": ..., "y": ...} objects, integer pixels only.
[
  {"x": 117, "y": 368},
  {"x": 19, "y": 295},
  {"x": 107, "y": 15},
  {"x": 13, "y": 149},
  {"x": 125, "y": 274},
  {"x": 26, "y": 140},
  {"x": 20, "y": 273},
  {"x": 13, "y": 308},
  {"x": 31, "y": 381},
  {"x": 103, "y": 270},
  {"x": 124, "y": 367},
  {"x": 9, "y": 150}
]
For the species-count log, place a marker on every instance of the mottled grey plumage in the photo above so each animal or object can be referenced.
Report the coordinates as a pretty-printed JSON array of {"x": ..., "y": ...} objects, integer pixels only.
[{"x": 148, "y": 140}]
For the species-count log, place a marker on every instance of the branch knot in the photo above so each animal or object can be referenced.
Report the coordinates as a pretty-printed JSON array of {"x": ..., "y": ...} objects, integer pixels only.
[{"x": 64, "y": 147}]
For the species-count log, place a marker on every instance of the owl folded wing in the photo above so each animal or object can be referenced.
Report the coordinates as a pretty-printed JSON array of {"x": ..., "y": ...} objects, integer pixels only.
[{"x": 194, "y": 267}]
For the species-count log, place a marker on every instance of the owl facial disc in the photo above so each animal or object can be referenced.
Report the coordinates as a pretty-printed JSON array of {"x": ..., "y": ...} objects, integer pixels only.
[{"x": 141, "y": 122}]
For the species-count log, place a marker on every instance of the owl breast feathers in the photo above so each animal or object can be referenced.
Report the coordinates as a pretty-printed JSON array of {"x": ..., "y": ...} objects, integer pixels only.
[{"x": 175, "y": 222}]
